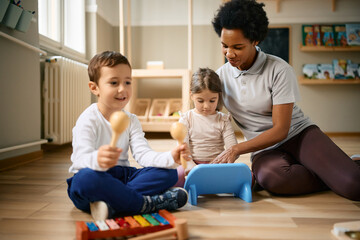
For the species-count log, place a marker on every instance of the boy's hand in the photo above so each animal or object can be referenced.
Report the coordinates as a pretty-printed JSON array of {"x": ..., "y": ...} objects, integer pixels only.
[
  {"x": 108, "y": 156},
  {"x": 182, "y": 150}
]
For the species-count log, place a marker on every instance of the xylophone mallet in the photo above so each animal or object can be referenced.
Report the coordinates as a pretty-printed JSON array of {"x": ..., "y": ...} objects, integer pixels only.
[
  {"x": 180, "y": 229},
  {"x": 178, "y": 132},
  {"x": 119, "y": 122}
]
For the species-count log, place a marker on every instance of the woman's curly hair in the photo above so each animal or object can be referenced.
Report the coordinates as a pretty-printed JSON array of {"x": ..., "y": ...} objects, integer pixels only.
[{"x": 247, "y": 15}]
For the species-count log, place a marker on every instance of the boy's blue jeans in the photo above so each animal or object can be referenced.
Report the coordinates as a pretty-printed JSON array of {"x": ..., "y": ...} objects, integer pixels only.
[{"x": 122, "y": 188}]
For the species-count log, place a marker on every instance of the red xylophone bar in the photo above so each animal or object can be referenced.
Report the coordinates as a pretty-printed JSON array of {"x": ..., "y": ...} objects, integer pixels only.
[{"x": 128, "y": 226}]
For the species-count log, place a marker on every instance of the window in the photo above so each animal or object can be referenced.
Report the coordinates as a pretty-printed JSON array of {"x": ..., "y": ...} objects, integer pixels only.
[{"x": 62, "y": 26}]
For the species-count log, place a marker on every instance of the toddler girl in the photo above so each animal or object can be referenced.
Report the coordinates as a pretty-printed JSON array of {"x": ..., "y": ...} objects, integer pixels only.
[{"x": 209, "y": 130}]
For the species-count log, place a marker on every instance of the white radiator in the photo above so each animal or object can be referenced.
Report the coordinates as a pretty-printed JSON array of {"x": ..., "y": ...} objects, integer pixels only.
[{"x": 65, "y": 96}]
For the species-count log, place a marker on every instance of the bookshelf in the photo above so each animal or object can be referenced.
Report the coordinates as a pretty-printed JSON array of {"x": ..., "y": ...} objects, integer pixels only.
[
  {"x": 329, "y": 49},
  {"x": 307, "y": 81}
]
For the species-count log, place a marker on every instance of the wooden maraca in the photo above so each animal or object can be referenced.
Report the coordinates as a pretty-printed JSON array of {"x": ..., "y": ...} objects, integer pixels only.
[
  {"x": 119, "y": 121},
  {"x": 178, "y": 132}
]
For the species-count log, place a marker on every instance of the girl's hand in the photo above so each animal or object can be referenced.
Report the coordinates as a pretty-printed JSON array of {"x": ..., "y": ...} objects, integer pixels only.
[
  {"x": 108, "y": 156},
  {"x": 182, "y": 150},
  {"x": 227, "y": 156}
]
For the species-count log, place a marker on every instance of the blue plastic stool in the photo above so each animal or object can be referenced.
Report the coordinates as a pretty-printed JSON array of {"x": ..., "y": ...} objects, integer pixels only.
[{"x": 219, "y": 178}]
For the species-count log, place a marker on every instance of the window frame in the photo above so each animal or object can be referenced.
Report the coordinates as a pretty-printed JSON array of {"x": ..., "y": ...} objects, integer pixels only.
[{"x": 59, "y": 48}]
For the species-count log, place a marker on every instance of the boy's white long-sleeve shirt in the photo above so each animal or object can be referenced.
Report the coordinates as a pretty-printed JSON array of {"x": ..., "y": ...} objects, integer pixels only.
[{"x": 92, "y": 130}]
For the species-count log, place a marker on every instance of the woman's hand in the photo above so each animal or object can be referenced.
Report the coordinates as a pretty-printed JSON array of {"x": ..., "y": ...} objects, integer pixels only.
[
  {"x": 108, "y": 156},
  {"x": 227, "y": 156},
  {"x": 183, "y": 151}
]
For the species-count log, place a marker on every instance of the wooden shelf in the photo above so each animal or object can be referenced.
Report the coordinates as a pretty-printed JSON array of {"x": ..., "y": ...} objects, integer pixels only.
[
  {"x": 184, "y": 74},
  {"x": 156, "y": 126},
  {"x": 329, "y": 49},
  {"x": 306, "y": 81},
  {"x": 278, "y": 3},
  {"x": 160, "y": 73}
]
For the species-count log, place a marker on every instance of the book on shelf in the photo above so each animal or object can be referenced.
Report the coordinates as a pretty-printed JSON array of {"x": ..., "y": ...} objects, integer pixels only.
[
  {"x": 308, "y": 36},
  {"x": 340, "y": 35},
  {"x": 331, "y": 34},
  {"x": 318, "y": 71},
  {"x": 316, "y": 34},
  {"x": 326, "y": 71},
  {"x": 352, "y": 71},
  {"x": 311, "y": 71},
  {"x": 338, "y": 69},
  {"x": 345, "y": 69},
  {"x": 327, "y": 35},
  {"x": 353, "y": 34},
  {"x": 340, "y": 66}
]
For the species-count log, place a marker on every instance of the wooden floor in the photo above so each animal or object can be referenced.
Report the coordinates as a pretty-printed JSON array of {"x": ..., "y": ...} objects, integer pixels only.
[{"x": 34, "y": 205}]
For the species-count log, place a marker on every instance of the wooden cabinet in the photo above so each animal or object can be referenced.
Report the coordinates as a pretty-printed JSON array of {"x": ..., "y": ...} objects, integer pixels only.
[{"x": 161, "y": 124}]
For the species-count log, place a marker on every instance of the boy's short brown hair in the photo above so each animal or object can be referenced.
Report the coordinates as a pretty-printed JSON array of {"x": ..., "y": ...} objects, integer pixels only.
[{"x": 108, "y": 59}]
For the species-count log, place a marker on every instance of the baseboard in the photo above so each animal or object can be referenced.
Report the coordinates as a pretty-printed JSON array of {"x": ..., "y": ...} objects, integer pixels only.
[
  {"x": 13, "y": 162},
  {"x": 48, "y": 147}
]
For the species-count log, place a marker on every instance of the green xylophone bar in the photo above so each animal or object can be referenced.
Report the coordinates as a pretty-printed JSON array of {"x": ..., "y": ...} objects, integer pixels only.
[{"x": 129, "y": 225}]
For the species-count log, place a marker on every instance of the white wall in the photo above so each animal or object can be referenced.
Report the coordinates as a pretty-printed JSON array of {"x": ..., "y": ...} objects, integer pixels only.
[
  {"x": 20, "y": 95},
  {"x": 334, "y": 108},
  {"x": 159, "y": 33},
  {"x": 174, "y": 12}
]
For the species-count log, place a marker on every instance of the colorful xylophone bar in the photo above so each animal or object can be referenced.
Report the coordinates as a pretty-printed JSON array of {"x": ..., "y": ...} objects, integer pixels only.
[{"x": 130, "y": 225}]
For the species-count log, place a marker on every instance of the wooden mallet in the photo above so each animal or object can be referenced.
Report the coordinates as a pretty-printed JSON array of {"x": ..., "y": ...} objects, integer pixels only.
[
  {"x": 180, "y": 229},
  {"x": 119, "y": 121},
  {"x": 178, "y": 131}
]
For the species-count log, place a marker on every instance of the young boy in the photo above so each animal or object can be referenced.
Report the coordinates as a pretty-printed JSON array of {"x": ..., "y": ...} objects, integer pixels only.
[{"x": 104, "y": 184}]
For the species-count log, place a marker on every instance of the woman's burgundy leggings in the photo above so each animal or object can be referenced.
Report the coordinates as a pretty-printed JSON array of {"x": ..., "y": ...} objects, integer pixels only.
[{"x": 307, "y": 163}]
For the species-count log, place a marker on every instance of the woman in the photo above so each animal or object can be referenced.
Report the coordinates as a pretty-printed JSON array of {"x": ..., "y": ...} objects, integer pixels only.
[{"x": 290, "y": 154}]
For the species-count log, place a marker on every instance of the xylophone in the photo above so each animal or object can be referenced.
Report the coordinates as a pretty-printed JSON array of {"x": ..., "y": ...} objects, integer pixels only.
[{"x": 131, "y": 225}]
